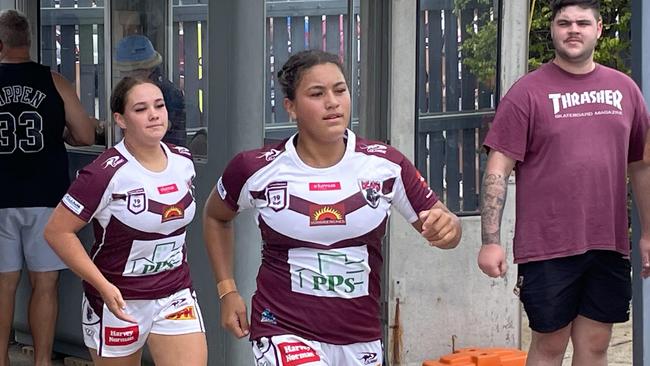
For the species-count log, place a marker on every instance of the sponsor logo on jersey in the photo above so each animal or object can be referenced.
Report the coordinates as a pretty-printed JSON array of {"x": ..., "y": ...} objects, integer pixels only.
[
  {"x": 342, "y": 272},
  {"x": 297, "y": 353},
  {"x": 113, "y": 162},
  {"x": 320, "y": 215},
  {"x": 148, "y": 257},
  {"x": 370, "y": 190},
  {"x": 563, "y": 101},
  {"x": 169, "y": 188},
  {"x": 89, "y": 312},
  {"x": 367, "y": 357},
  {"x": 268, "y": 317},
  {"x": 186, "y": 313},
  {"x": 276, "y": 196},
  {"x": 183, "y": 150},
  {"x": 221, "y": 189},
  {"x": 270, "y": 155},
  {"x": 71, "y": 203},
  {"x": 136, "y": 201},
  {"x": 325, "y": 186},
  {"x": 121, "y": 336},
  {"x": 172, "y": 212},
  {"x": 375, "y": 148},
  {"x": 178, "y": 302},
  {"x": 423, "y": 183}
]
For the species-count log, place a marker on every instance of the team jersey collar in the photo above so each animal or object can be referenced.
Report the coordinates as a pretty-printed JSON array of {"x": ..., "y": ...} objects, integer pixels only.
[
  {"x": 123, "y": 150},
  {"x": 350, "y": 146}
]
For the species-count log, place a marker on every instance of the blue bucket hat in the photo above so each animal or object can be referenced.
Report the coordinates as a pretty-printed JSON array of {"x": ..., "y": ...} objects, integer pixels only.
[{"x": 135, "y": 52}]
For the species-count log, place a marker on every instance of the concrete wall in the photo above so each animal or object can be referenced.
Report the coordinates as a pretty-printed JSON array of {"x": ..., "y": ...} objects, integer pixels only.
[
  {"x": 640, "y": 288},
  {"x": 443, "y": 294}
]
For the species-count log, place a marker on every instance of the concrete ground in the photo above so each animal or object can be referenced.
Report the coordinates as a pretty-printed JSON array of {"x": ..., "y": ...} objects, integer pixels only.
[{"x": 620, "y": 347}]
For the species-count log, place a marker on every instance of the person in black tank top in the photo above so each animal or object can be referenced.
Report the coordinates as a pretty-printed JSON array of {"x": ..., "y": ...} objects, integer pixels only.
[{"x": 39, "y": 111}]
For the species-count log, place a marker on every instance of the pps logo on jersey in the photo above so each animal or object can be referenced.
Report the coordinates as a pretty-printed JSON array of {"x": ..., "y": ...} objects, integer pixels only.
[
  {"x": 136, "y": 201},
  {"x": 276, "y": 196}
]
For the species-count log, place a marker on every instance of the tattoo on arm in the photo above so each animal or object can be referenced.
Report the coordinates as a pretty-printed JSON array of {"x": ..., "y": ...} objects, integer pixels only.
[{"x": 493, "y": 198}]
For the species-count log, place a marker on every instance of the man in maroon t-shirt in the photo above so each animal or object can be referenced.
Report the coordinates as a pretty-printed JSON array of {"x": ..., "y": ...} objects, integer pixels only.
[{"x": 571, "y": 130}]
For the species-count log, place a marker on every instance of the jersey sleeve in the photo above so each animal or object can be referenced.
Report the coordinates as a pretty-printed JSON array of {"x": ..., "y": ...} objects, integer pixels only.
[
  {"x": 232, "y": 184},
  {"x": 509, "y": 131},
  {"x": 639, "y": 131},
  {"x": 412, "y": 193},
  {"x": 87, "y": 194}
]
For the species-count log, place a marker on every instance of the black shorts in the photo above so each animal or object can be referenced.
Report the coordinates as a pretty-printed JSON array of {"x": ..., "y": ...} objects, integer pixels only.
[{"x": 596, "y": 285}]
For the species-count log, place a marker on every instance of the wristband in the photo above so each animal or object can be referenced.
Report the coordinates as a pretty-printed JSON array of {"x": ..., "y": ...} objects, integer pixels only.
[{"x": 225, "y": 287}]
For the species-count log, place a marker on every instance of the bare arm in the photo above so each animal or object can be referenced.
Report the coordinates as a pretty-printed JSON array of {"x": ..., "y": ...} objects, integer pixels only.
[
  {"x": 494, "y": 189},
  {"x": 439, "y": 226},
  {"x": 80, "y": 130},
  {"x": 60, "y": 233},
  {"x": 218, "y": 234},
  {"x": 640, "y": 177}
]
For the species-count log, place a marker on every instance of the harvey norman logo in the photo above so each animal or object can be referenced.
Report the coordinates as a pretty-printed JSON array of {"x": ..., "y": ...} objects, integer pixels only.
[{"x": 563, "y": 101}]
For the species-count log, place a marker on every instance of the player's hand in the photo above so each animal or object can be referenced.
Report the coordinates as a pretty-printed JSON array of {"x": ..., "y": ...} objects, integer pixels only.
[
  {"x": 115, "y": 303},
  {"x": 644, "y": 249},
  {"x": 440, "y": 227},
  {"x": 233, "y": 314},
  {"x": 492, "y": 260}
]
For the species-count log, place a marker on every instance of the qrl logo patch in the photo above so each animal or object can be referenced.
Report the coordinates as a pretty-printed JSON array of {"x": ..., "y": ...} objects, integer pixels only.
[
  {"x": 342, "y": 272},
  {"x": 122, "y": 336},
  {"x": 136, "y": 201},
  {"x": 276, "y": 196},
  {"x": 297, "y": 353},
  {"x": 326, "y": 215},
  {"x": 186, "y": 313}
]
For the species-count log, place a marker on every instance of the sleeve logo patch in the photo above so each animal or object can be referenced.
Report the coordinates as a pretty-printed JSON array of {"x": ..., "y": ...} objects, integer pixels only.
[
  {"x": 221, "y": 189},
  {"x": 72, "y": 204}
]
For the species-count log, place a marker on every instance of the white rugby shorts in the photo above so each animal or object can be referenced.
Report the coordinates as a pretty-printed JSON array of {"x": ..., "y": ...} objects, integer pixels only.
[{"x": 111, "y": 337}]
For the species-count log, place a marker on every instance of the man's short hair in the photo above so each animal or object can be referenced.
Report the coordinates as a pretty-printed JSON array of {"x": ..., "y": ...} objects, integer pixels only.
[
  {"x": 14, "y": 29},
  {"x": 557, "y": 5}
]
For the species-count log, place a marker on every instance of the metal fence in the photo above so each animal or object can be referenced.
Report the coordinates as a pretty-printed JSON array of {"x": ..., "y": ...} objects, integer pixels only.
[
  {"x": 293, "y": 26},
  {"x": 454, "y": 106},
  {"x": 72, "y": 42}
]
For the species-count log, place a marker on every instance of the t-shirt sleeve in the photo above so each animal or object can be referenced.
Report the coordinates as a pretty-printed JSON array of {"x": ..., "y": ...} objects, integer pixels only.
[
  {"x": 509, "y": 131},
  {"x": 87, "y": 194},
  {"x": 231, "y": 186},
  {"x": 412, "y": 193},
  {"x": 639, "y": 131}
]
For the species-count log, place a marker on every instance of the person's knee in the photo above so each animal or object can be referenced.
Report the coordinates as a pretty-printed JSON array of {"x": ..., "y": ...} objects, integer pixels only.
[
  {"x": 552, "y": 344},
  {"x": 44, "y": 282},
  {"x": 595, "y": 341},
  {"x": 9, "y": 282}
]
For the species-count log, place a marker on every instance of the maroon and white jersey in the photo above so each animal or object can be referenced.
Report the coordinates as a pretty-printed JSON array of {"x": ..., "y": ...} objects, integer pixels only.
[
  {"x": 322, "y": 232},
  {"x": 139, "y": 218}
]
